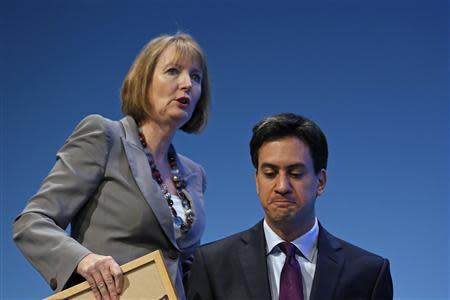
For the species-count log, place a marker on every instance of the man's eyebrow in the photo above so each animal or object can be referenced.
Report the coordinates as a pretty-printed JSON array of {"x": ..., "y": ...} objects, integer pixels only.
[
  {"x": 269, "y": 165},
  {"x": 297, "y": 166},
  {"x": 293, "y": 166}
]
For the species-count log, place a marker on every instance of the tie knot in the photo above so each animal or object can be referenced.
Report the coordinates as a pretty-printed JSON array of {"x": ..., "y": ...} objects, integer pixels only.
[{"x": 287, "y": 248}]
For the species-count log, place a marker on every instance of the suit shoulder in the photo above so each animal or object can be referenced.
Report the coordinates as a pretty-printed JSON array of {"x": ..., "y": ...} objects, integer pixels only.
[
  {"x": 356, "y": 254},
  {"x": 357, "y": 251},
  {"x": 348, "y": 248},
  {"x": 94, "y": 134},
  {"x": 98, "y": 124},
  {"x": 96, "y": 121},
  {"x": 227, "y": 243}
]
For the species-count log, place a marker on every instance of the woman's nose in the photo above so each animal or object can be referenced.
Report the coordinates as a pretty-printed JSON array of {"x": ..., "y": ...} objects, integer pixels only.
[{"x": 185, "y": 81}]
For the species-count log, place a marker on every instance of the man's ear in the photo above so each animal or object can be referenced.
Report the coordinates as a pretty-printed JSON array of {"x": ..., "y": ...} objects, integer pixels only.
[
  {"x": 321, "y": 182},
  {"x": 256, "y": 182}
]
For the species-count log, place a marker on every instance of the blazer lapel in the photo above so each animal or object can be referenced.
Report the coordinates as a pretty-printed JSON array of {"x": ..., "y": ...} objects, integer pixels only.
[
  {"x": 329, "y": 266},
  {"x": 141, "y": 172},
  {"x": 252, "y": 257}
]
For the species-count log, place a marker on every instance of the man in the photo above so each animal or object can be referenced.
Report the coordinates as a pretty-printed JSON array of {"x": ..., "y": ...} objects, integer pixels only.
[{"x": 288, "y": 255}]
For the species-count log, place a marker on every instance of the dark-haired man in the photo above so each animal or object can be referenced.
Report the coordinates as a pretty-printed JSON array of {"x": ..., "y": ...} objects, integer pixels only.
[{"x": 288, "y": 255}]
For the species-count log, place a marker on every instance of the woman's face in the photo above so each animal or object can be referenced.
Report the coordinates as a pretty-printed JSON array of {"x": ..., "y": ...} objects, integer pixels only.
[{"x": 175, "y": 88}]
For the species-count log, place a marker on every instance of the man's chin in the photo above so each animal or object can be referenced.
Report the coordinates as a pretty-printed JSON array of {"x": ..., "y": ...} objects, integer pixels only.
[{"x": 283, "y": 218}]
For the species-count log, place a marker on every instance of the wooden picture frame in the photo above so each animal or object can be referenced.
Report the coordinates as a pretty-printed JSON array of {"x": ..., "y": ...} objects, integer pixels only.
[{"x": 144, "y": 278}]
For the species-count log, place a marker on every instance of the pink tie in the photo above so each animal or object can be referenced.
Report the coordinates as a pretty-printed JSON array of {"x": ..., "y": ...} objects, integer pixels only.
[{"x": 291, "y": 277}]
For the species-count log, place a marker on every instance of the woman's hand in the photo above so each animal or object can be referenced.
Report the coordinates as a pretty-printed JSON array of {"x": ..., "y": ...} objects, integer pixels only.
[{"x": 103, "y": 274}]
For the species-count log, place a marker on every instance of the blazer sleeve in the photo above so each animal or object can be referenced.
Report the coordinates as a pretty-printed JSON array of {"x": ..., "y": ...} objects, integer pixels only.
[
  {"x": 383, "y": 289},
  {"x": 39, "y": 231}
]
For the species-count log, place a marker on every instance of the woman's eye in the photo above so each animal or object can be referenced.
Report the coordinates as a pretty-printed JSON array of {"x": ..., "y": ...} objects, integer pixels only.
[
  {"x": 196, "y": 77},
  {"x": 172, "y": 71}
]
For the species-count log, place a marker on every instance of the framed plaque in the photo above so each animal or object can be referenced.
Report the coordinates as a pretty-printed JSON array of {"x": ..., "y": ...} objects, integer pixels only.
[{"x": 144, "y": 278}]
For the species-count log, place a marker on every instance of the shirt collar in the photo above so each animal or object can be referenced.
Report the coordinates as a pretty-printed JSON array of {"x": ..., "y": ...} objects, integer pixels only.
[{"x": 306, "y": 243}]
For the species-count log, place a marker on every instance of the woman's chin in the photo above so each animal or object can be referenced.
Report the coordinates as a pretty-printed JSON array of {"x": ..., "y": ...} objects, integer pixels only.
[{"x": 180, "y": 118}]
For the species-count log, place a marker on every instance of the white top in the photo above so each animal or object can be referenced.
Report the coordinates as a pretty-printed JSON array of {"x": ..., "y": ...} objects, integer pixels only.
[
  {"x": 180, "y": 212},
  {"x": 306, "y": 243}
]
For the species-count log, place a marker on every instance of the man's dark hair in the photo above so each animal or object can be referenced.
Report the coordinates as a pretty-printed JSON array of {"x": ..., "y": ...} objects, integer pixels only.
[{"x": 291, "y": 125}]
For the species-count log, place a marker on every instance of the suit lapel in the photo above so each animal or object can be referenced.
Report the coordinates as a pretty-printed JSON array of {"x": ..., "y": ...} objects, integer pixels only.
[
  {"x": 141, "y": 172},
  {"x": 252, "y": 257},
  {"x": 329, "y": 266}
]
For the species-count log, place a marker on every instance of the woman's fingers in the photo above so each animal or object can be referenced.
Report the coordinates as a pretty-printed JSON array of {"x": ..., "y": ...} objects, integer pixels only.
[
  {"x": 101, "y": 286},
  {"x": 94, "y": 289},
  {"x": 103, "y": 274},
  {"x": 107, "y": 274},
  {"x": 108, "y": 279},
  {"x": 116, "y": 272}
]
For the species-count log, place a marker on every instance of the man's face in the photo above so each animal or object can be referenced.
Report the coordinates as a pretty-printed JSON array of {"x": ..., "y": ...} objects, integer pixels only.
[{"x": 287, "y": 184}]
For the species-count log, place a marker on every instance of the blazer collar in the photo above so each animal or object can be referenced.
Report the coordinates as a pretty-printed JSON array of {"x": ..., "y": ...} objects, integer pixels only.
[
  {"x": 329, "y": 266},
  {"x": 252, "y": 257},
  {"x": 141, "y": 172},
  {"x": 130, "y": 133}
]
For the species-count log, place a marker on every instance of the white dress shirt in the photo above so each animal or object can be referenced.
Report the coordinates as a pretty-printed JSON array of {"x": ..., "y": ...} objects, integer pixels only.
[{"x": 306, "y": 243}]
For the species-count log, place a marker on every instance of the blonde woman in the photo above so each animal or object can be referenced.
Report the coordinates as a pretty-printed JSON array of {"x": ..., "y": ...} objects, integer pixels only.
[{"x": 121, "y": 184}]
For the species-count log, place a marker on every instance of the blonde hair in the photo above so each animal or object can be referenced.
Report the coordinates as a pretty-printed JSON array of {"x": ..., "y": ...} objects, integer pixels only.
[{"x": 135, "y": 86}]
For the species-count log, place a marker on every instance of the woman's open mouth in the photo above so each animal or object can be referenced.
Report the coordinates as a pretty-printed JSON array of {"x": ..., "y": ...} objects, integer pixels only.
[{"x": 183, "y": 100}]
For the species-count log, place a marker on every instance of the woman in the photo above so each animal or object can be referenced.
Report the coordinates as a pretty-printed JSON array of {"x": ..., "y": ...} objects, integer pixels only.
[{"x": 121, "y": 184}]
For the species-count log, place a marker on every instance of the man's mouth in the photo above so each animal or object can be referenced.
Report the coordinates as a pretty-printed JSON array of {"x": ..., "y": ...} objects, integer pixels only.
[{"x": 283, "y": 200}]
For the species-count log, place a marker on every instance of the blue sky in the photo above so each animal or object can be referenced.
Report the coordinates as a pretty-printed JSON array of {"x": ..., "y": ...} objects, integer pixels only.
[{"x": 373, "y": 74}]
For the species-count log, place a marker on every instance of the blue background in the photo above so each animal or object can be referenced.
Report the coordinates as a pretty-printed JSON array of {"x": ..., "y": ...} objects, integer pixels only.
[{"x": 373, "y": 74}]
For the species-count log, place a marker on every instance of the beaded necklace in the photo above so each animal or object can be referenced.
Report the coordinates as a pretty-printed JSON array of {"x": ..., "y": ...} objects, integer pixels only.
[{"x": 179, "y": 183}]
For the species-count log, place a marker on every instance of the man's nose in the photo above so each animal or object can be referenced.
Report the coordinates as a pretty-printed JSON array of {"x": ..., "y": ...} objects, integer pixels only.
[{"x": 283, "y": 185}]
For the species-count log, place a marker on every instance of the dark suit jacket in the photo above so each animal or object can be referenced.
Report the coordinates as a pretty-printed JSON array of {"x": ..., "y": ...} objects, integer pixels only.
[
  {"x": 102, "y": 185},
  {"x": 236, "y": 268}
]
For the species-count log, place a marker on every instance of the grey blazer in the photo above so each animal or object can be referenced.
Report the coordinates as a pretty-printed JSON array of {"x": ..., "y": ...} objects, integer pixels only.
[{"x": 102, "y": 186}]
